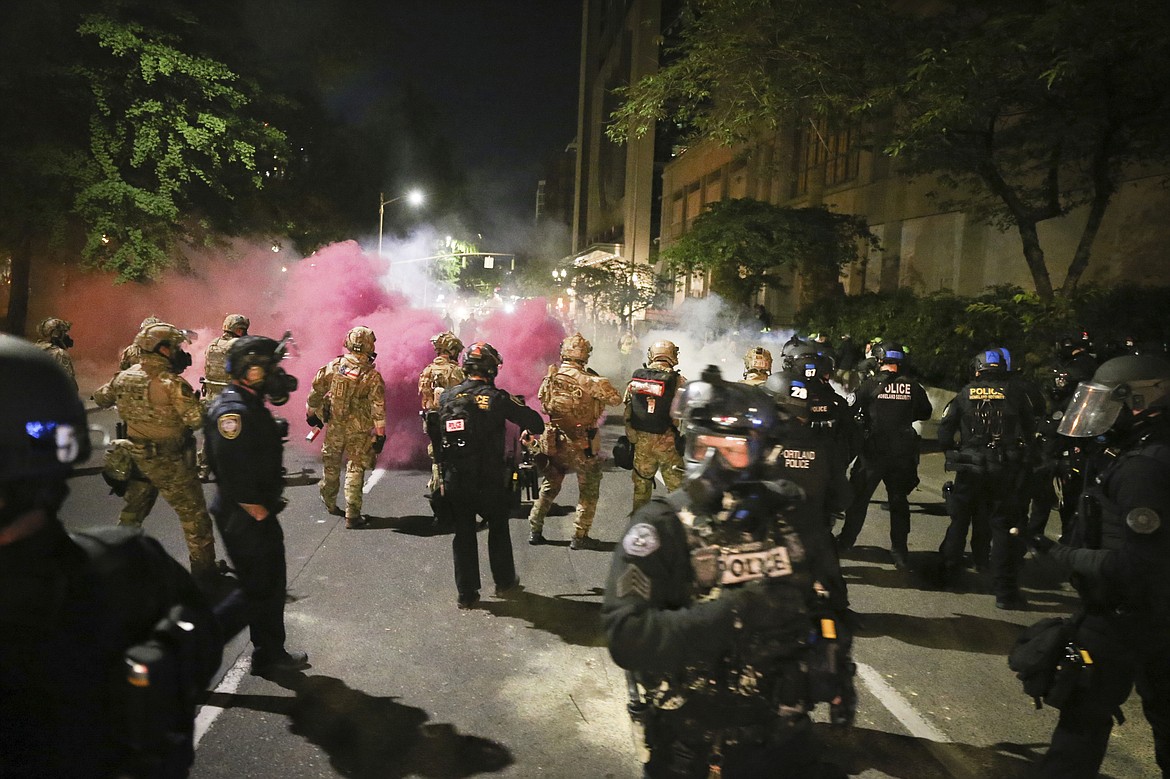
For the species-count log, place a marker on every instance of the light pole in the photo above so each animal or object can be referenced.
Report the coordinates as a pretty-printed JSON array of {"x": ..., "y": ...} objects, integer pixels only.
[{"x": 415, "y": 197}]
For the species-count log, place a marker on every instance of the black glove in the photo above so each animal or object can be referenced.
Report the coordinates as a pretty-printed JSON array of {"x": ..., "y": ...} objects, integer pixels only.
[
  {"x": 314, "y": 421},
  {"x": 379, "y": 442},
  {"x": 1040, "y": 544}
]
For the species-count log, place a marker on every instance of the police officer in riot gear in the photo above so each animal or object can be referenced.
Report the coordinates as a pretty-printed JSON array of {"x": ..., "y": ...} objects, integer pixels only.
[
  {"x": 995, "y": 425},
  {"x": 75, "y": 609},
  {"x": 649, "y": 427},
  {"x": 245, "y": 447},
  {"x": 467, "y": 434},
  {"x": 887, "y": 406},
  {"x": 711, "y": 602},
  {"x": 1120, "y": 559}
]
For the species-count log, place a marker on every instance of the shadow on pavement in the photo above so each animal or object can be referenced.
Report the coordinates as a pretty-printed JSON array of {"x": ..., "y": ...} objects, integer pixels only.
[
  {"x": 301, "y": 478},
  {"x": 960, "y": 632},
  {"x": 575, "y": 622},
  {"x": 367, "y": 736}
]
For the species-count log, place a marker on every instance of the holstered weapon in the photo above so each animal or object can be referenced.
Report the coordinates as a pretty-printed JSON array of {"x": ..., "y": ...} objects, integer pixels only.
[{"x": 589, "y": 448}]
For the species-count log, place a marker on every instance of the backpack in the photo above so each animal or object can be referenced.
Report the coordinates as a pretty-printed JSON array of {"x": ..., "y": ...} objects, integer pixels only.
[
  {"x": 457, "y": 427},
  {"x": 651, "y": 392},
  {"x": 564, "y": 400}
]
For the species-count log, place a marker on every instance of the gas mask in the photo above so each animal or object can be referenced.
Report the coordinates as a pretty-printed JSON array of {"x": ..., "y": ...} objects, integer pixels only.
[{"x": 180, "y": 360}]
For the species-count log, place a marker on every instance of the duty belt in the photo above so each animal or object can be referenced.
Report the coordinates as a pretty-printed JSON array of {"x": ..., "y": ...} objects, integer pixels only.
[{"x": 154, "y": 448}]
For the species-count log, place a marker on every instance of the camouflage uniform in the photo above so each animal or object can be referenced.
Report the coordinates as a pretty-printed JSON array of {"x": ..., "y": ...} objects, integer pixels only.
[
  {"x": 53, "y": 332},
  {"x": 654, "y": 451},
  {"x": 160, "y": 410},
  {"x": 215, "y": 375},
  {"x": 574, "y": 397},
  {"x": 441, "y": 373},
  {"x": 757, "y": 366},
  {"x": 349, "y": 396}
]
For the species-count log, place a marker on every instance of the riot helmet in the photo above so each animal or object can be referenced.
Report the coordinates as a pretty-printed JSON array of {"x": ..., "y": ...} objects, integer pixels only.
[
  {"x": 1062, "y": 381},
  {"x": 889, "y": 353},
  {"x": 728, "y": 428},
  {"x": 482, "y": 359},
  {"x": 360, "y": 340},
  {"x": 663, "y": 351},
  {"x": 813, "y": 366},
  {"x": 234, "y": 322},
  {"x": 576, "y": 348},
  {"x": 43, "y": 427},
  {"x": 254, "y": 361},
  {"x": 792, "y": 351},
  {"x": 1137, "y": 384},
  {"x": 153, "y": 338},
  {"x": 989, "y": 362},
  {"x": 791, "y": 394},
  {"x": 1069, "y": 344},
  {"x": 56, "y": 332},
  {"x": 758, "y": 359},
  {"x": 447, "y": 343}
]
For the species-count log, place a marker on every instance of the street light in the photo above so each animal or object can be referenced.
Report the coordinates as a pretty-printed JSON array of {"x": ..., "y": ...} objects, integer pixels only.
[{"x": 415, "y": 197}]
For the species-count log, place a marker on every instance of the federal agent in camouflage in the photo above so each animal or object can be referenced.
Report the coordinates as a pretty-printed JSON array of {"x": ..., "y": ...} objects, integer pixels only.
[
  {"x": 55, "y": 339},
  {"x": 349, "y": 395},
  {"x": 648, "y": 424},
  {"x": 215, "y": 376},
  {"x": 441, "y": 373},
  {"x": 161, "y": 412},
  {"x": 574, "y": 397}
]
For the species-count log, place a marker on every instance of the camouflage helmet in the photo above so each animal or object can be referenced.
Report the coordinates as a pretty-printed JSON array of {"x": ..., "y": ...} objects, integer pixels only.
[
  {"x": 664, "y": 350},
  {"x": 447, "y": 343},
  {"x": 234, "y": 322},
  {"x": 576, "y": 347},
  {"x": 151, "y": 337},
  {"x": 757, "y": 359},
  {"x": 53, "y": 327},
  {"x": 360, "y": 340},
  {"x": 150, "y": 320}
]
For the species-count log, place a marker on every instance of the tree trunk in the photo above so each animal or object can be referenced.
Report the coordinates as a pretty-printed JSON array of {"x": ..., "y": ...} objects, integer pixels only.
[
  {"x": 15, "y": 321},
  {"x": 1034, "y": 256},
  {"x": 1103, "y": 189}
]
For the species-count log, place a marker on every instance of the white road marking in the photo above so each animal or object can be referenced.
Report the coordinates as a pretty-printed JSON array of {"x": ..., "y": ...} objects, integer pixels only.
[
  {"x": 899, "y": 706},
  {"x": 231, "y": 682},
  {"x": 375, "y": 477}
]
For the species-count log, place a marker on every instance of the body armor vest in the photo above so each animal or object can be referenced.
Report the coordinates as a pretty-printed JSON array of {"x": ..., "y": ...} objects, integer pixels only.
[
  {"x": 346, "y": 388},
  {"x": 132, "y": 392},
  {"x": 566, "y": 398},
  {"x": 651, "y": 392},
  {"x": 440, "y": 374},
  {"x": 215, "y": 376}
]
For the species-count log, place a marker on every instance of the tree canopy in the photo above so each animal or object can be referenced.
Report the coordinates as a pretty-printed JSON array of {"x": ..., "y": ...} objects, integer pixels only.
[
  {"x": 745, "y": 244},
  {"x": 1024, "y": 111}
]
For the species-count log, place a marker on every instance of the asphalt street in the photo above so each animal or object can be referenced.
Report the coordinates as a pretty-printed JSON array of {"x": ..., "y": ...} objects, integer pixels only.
[{"x": 403, "y": 684}]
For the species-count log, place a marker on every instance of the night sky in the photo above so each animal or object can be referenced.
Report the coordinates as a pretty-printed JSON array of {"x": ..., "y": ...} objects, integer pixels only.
[{"x": 502, "y": 75}]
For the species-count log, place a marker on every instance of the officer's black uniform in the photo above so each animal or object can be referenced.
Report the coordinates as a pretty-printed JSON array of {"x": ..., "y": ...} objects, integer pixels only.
[
  {"x": 244, "y": 450},
  {"x": 995, "y": 424},
  {"x": 1123, "y": 577},
  {"x": 888, "y": 405},
  {"x": 475, "y": 482}
]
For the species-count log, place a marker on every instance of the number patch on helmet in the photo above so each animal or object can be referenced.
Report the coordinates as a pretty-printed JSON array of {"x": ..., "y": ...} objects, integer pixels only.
[{"x": 456, "y": 425}]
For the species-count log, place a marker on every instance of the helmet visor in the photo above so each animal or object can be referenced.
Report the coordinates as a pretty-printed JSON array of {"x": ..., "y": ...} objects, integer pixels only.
[
  {"x": 735, "y": 450},
  {"x": 1091, "y": 412}
]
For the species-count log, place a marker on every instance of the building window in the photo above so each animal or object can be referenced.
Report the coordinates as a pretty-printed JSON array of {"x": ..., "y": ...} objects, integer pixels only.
[{"x": 821, "y": 152}]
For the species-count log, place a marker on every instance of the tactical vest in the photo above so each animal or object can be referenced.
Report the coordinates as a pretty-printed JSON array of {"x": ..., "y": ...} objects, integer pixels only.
[
  {"x": 651, "y": 393},
  {"x": 215, "y": 375},
  {"x": 567, "y": 400},
  {"x": 993, "y": 420},
  {"x": 132, "y": 394},
  {"x": 437, "y": 376},
  {"x": 345, "y": 389}
]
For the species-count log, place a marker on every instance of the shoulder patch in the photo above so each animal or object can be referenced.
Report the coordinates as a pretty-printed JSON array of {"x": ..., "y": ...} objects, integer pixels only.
[
  {"x": 230, "y": 426},
  {"x": 634, "y": 581},
  {"x": 1143, "y": 520},
  {"x": 641, "y": 540}
]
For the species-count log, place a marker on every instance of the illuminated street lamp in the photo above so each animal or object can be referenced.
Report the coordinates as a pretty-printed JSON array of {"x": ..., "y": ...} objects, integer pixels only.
[{"x": 415, "y": 197}]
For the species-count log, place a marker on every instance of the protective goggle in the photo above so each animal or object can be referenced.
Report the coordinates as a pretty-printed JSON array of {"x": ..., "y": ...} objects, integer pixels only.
[{"x": 735, "y": 450}]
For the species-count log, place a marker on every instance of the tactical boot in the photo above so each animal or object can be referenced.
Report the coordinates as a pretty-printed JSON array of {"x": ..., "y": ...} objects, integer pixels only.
[
  {"x": 286, "y": 662},
  {"x": 584, "y": 542},
  {"x": 536, "y": 538},
  {"x": 356, "y": 523},
  {"x": 900, "y": 559},
  {"x": 332, "y": 509}
]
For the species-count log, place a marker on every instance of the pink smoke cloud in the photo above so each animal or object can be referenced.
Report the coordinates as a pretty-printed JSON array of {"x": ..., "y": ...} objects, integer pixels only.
[{"x": 319, "y": 299}]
